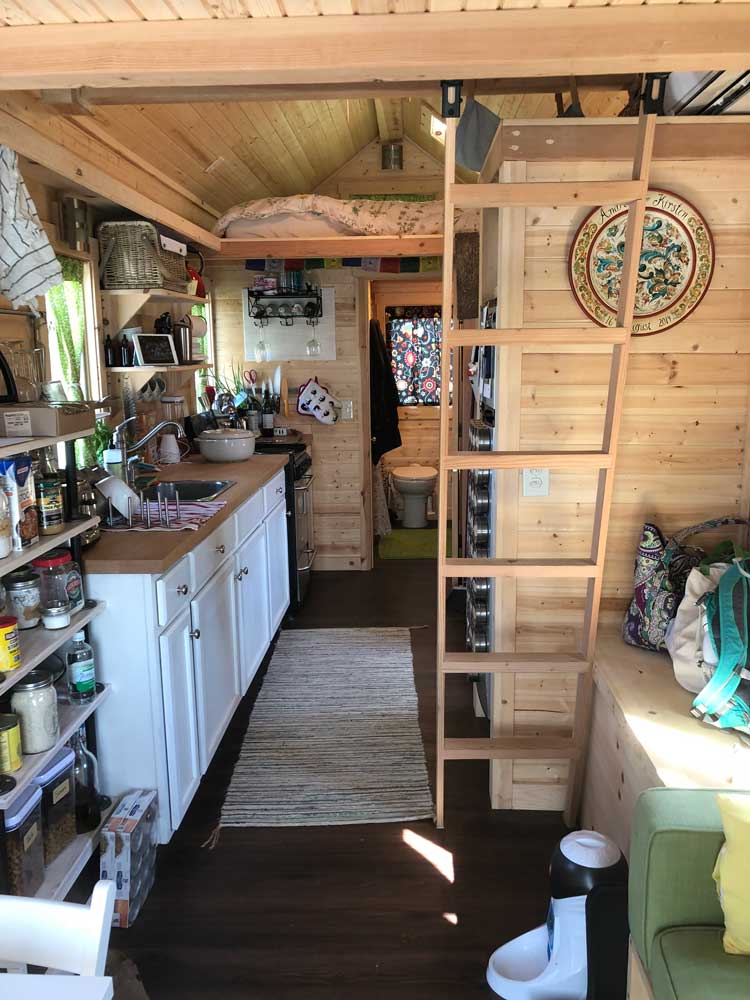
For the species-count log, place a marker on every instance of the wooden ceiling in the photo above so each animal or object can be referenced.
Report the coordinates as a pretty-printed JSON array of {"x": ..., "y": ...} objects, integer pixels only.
[{"x": 25, "y": 12}]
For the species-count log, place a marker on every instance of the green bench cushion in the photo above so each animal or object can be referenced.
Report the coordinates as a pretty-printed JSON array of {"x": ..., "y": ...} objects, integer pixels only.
[{"x": 689, "y": 963}]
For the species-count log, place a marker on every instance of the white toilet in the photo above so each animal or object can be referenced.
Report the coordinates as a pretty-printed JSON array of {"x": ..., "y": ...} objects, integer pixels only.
[{"x": 415, "y": 483}]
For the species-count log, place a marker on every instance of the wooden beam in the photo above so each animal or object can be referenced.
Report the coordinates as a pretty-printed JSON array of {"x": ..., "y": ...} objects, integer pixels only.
[
  {"x": 35, "y": 146},
  {"x": 514, "y": 663},
  {"x": 390, "y": 119},
  {"x": 546, "y": 193},
  {"x": 430, "y": 89},
  {"x": 341, "y": 49},
  {"x": 510, "y": 748},
  {"x": 67, "y": 102},
  {"x": 528, "y": 569},
  {"x": 333, "y": 246},
  {"x": 571, "y": 460}
]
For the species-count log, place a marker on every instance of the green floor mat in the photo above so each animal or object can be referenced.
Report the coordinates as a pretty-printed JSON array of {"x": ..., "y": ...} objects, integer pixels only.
[{"x": 410, "y": 543}]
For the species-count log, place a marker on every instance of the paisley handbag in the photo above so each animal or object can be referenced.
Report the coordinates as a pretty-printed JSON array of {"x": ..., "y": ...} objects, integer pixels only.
[{"x": 661, "y": 570}]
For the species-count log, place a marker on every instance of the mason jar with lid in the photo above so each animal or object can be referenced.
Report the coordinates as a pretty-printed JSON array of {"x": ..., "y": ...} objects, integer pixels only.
[
  {"x": 34, "y": 701},
  {"x": 60, "y": 579},
  {"x": 23, "y": 597}
]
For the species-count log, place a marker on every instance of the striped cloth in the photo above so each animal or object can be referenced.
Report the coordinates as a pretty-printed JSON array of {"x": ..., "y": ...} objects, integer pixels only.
[
  {"x": 28, "y": 265},
  {"x": 192, "y": 517}
]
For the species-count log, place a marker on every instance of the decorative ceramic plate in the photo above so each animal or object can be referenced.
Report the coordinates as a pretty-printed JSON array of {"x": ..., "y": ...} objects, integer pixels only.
[{"x": 677, "y": 262}]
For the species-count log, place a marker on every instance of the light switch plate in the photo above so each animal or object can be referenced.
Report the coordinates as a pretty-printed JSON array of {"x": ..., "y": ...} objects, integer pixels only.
[
  {"x": 536, "y": 482},
  {"x": 347, "y": 409}
]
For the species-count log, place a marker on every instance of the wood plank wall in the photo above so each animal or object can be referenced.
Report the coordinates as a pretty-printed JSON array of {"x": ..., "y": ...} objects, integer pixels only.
[
  {"x": 683, "y": 450},
  {"x": 422, "y": 174},
  {"x": 337, "y": 449}
]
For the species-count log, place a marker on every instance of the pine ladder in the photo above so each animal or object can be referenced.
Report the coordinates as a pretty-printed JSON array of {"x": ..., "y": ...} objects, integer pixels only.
[{"x": 511, "y": 663}]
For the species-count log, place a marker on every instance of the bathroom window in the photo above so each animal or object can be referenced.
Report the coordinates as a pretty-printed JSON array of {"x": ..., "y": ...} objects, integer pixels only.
[{"x": 413, "y": 338}]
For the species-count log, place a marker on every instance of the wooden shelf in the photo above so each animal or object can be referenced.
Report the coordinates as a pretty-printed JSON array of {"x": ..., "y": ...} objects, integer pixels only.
[
  {"x": 39, "y": 643},
  {"x": 157, "y": 294},
  {"x": 72, "y": 717},
  {"x": 166, "y": 369},
  {"x": 61, "y": 875},
  {"x": 21, "y": 445},
  {"x": 45, "y": 543}
]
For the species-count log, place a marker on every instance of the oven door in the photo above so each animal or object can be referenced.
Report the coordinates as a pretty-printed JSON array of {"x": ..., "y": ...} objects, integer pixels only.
[{"x": 305, "y": 531}]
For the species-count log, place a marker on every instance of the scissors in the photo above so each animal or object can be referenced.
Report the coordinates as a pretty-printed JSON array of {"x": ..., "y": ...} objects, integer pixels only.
[{"x": 250, "y": 375}]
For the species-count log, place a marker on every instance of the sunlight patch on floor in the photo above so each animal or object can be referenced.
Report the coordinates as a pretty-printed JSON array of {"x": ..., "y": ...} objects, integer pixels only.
[{"x": 437, "y": 856}]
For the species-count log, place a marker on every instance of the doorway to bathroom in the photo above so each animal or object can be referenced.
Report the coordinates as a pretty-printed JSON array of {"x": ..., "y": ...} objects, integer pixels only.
[{"x": 409, "y": 315}]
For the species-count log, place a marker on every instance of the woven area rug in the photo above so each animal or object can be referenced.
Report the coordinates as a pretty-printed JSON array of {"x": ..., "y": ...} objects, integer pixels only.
[{"x": 334, "y": 736}]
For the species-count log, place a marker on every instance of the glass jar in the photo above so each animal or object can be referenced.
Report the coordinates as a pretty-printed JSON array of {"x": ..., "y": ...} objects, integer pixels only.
[
  {"x": 56, "y": 616},
  {"x": 49, "y": 498},
  {"x": 60, "y": 579},
  {"x": 23, "y": 597},
  {"x": 34, "y": 701},
  {"x": 24, "y": 844}
]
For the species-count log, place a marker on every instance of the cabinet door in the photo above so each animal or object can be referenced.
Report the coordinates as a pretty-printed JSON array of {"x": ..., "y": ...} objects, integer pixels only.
[
  {"x": 253, "y": 616},
  {"x": 217, "y": 685},
  {"x": 180, "y": 718},
  {"x": 278, "y": 564}
]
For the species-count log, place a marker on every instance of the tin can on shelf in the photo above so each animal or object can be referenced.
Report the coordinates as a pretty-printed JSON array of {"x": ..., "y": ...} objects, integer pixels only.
[
  {"x": 49, "y": 498},
  {"x": 10, "y": 651},
  {"x": 10, "y": 743}
]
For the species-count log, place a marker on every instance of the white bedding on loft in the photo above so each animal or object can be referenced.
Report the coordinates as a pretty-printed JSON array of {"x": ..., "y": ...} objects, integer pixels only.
[{"x": 314, "y": 215}]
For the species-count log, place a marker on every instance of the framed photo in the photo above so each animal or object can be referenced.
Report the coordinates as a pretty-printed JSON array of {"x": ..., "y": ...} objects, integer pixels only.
[{"x": 155, "y": 349}]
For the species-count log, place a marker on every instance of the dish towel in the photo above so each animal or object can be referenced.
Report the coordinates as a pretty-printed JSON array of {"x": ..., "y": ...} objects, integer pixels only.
[
  {"x": 28, "y": 265},
  {"x": 192, "y": 517}
]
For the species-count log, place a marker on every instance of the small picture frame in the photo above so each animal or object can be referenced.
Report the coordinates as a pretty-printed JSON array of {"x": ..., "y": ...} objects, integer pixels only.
[{"x": 155, "y": 349}]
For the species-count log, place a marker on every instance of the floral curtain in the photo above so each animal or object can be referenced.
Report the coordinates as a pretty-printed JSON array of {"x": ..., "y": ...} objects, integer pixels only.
[
  {"x": 413, "y": 335},
  {"x": 66, "y": 318}
]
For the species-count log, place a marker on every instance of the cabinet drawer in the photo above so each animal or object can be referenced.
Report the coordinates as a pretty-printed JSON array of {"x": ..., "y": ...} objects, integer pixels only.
[
  {"x": 249, "y": 516},
  {"x": 173, "y": 591},
  {"x": 212, "y": 552},
  {"x": 274, "y": 491}
]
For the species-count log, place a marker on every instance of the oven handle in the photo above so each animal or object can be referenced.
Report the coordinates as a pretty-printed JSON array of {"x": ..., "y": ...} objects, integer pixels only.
[
  {"x": 304, "y": 490},
  {"x": 308, "y": 552}
]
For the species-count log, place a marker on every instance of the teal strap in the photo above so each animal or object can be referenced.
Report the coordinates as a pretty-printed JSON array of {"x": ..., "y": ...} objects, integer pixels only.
[{"x": 715, "y": 696}]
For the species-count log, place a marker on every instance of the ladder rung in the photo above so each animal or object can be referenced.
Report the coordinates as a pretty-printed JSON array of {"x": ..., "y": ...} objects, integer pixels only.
[
  {"x": 576, "y": 460},
  {"x": 510, "y": 748},
  {"x": 582, "y": 569},
  {"x": 540, "y": 194},
  {"x": 554, "y": 336},
  {"x": 514, "y": 663}
]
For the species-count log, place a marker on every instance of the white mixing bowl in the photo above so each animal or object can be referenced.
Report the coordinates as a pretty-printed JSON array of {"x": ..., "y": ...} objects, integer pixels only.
[{"x": 226, "y": 445}]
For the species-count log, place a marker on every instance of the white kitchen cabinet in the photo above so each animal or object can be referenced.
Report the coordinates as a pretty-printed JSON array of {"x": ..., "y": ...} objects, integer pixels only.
[
  {"x": 217, "y": 684},
  {"x": 253, "y": 608},
  {"x": 180, "y": 715},
  {"x": 278, "y": 564}
]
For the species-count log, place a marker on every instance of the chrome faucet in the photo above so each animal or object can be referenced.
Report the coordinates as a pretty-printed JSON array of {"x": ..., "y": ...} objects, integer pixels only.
[{"x": 130, "y": 452}]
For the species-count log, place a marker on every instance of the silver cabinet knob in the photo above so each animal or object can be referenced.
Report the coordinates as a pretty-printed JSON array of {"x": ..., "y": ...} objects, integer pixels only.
[
  {"x": 221, "y": 548},
  {"x": 279, "y": 490},
  {"x": 195, "y": 633},
  {"x": 183, "y": 589},
  {"x": 238, "y": 576},
  {"x": 245, "y": 570}
]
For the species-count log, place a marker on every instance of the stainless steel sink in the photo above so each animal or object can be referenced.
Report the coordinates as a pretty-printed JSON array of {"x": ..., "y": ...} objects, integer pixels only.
[{"x": 189, "y": 490}]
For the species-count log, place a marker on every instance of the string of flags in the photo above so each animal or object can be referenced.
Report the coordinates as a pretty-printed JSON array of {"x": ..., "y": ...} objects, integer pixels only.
[{"x": 377, "y": 265}]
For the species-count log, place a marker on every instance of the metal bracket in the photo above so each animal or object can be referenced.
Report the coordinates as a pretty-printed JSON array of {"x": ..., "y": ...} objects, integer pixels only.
[
  {"x": 654, "y": 91},
  {"x": 451, "y": 106}
]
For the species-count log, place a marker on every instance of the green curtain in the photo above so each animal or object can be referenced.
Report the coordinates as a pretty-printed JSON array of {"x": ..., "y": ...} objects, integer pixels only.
[{"x": 69, "y": 329}]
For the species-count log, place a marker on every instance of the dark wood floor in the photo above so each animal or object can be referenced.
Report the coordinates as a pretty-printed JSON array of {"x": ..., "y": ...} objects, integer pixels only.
[{"x": 351, "y": 911}]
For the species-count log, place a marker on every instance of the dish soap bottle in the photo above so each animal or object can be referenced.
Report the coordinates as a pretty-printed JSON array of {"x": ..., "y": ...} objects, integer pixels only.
[{"x": 81, "y": 674}]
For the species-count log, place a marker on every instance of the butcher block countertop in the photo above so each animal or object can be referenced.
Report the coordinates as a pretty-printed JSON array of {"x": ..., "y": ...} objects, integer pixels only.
[{"x": 153, "y": 552}]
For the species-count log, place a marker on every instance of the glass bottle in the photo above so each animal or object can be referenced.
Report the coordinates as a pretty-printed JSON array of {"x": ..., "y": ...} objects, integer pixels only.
[
  {"x": 88, "y": 812},
  {"x": 267, "y": 414},
  {"x": 81, "y": 674},
  {"x": 109, "y": 352},
  {"x": 125, "y": 352}
]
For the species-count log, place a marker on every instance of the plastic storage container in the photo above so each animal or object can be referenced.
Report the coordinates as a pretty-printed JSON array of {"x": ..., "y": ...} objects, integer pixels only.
[
  {"x": 24, "y": 843},
  {"x": 58, "y": 786}
]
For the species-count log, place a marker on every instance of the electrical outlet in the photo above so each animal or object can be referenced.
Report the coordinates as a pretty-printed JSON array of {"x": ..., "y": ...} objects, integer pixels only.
[
  {"x": 536, "y": 482},
  {"x": 347, "y": 409}
]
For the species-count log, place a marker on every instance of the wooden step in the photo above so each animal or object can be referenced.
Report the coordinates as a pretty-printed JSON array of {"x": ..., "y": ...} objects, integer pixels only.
[
  {"x": 578, "y": 461},
  {"x": 511, "y": 748},
  {"x": 514, "y": 663},
  {"x": 558, "y": 337},
  {"x": 547, "y": 194},
  {"x": 581, "y": 569}
]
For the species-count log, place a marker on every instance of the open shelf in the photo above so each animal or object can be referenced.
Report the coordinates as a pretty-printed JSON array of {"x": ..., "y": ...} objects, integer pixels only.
[
  {"x": 72, "y": 717},
  {"x": 60, "y": 876},
  {"x": 157, "y": 294},
  {"x": 39, "y": 643},
  {"x": 46, "y": 542},
  {"x": 19, "y": 446},
  {"x": 192, "y": 367}
]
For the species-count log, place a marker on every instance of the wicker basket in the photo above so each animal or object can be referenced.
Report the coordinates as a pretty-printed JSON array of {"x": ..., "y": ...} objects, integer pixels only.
[{"x": 132, "y": 257}]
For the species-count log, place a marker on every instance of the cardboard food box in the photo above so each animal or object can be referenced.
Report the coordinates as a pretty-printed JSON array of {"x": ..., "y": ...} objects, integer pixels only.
[
  {"x": 128, "y": 854},
  {"x": 45, "y": 419}
]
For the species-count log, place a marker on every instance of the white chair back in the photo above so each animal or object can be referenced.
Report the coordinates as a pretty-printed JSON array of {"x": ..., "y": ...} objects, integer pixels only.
[{"x": 65, "y": 936}]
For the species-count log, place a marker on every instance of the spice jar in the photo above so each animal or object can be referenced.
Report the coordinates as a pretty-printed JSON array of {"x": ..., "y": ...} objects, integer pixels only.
[
  {"x": 49, "y": 498},
  {"x": 10, "y": 744},
  {"x": 60, "y": 579},
  {"x": 57, "y": 783},
  {"x": 56, "y": 615},
  {"x": 34, "y": 701},
  {"x": 22, "y": 597},
  {"x": 10, "y": 652},
  {"x": 24, "y": 845}
]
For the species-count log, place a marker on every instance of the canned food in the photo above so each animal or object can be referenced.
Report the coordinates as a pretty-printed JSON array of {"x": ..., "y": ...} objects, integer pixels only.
[
  {"x": 10, "y": 744},
  {"x": 49, "y": 499},
  {"x": 10, "y": 652}
]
